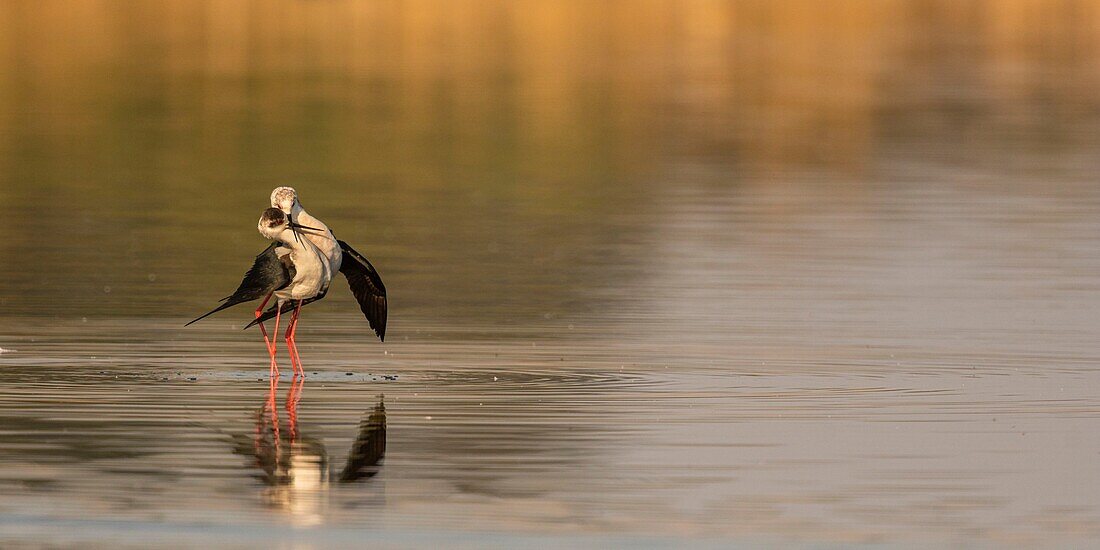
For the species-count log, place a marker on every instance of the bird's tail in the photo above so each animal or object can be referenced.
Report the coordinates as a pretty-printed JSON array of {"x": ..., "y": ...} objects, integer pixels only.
[
  {"x": 288, "y": 306},
  {"x": 270, "y": 313},
  {"x": 211, "y": 312}
]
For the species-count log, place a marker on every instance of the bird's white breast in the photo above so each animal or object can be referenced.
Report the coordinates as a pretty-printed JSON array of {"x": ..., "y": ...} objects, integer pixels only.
[
  {"x": 325, "y": 241},
  {"x": 312, "y": 273}
]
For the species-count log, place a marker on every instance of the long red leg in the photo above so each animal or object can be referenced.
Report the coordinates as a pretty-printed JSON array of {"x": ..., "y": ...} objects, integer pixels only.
[
  {"x": 274, "y": 365},
  {"x": 268, "y": 342},
  {"x": 292, "y": 345},
  {"x": 294, "y": 339},
  {"x": 289, "y": 346}
]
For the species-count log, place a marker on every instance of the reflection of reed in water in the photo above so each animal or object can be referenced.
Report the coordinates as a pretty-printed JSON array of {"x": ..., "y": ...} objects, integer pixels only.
[{"x": 295, "y": 467}]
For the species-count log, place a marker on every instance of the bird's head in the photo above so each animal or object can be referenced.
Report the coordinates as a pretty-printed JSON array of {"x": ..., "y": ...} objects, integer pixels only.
[
  {"x": 285, "y": 199},
  {"x": 273, "y": 223}
]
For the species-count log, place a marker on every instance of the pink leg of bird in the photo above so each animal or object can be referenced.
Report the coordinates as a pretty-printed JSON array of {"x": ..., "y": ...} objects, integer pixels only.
[
  {"x": 292, "y": 345},
  {"x": 275, "y": 366},
  {"x": 268, "y": 342},
  {"x": 294, "y": 339},
  {"x": 289, "y": 344}
]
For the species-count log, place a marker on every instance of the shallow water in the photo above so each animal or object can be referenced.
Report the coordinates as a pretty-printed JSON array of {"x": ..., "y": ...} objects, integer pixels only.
[{"x": 704, "y": 273}]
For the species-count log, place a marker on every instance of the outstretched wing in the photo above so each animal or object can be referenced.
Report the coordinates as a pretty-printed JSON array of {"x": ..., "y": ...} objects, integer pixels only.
[
  {"x": 267, "y": 274},
  {"x": 367, "y": 287}
]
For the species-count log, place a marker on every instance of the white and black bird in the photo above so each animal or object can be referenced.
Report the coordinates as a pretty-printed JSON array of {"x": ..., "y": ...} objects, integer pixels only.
[
  {"x": 298, "y": 272},
  {"x": 363, "y": 279}
]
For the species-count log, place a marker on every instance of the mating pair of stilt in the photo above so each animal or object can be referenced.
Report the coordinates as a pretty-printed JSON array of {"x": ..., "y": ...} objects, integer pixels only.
[{"x": 298, "y": 271}]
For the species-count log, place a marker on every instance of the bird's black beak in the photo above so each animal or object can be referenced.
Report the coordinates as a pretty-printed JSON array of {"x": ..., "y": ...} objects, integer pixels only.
[
  {"x": 294, "y": 225},
  {"x": 290, "y": 222}
]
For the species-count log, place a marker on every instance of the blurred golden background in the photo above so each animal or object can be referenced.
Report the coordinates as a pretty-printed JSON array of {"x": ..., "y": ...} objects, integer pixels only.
[{"x": 493, "y": 137}]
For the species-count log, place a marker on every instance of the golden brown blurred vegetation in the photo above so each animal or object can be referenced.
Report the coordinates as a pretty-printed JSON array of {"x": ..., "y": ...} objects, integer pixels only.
[{"x": 497, "y": 138}]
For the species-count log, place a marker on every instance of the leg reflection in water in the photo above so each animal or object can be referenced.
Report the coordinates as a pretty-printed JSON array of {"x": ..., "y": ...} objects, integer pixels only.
[{"x": 295, "y": 467}]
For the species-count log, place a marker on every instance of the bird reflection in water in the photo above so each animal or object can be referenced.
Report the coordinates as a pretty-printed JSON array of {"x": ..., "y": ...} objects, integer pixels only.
[{"x": 295, "y": 467}]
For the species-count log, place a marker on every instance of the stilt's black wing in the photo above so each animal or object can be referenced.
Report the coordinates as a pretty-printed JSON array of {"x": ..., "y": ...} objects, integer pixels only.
[
  {"x": 267, "y": 274},
  {"x": 367, "y": 287}
]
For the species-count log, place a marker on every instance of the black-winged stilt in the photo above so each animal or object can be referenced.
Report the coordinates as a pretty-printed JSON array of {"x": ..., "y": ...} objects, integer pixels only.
[
  {"x": 363, "y": 279},
  {"x": 296, "y": 271}
]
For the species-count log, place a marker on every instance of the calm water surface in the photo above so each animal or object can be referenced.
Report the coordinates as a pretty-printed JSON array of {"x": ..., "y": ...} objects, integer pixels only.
[{"x": 706, "y": 273}]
